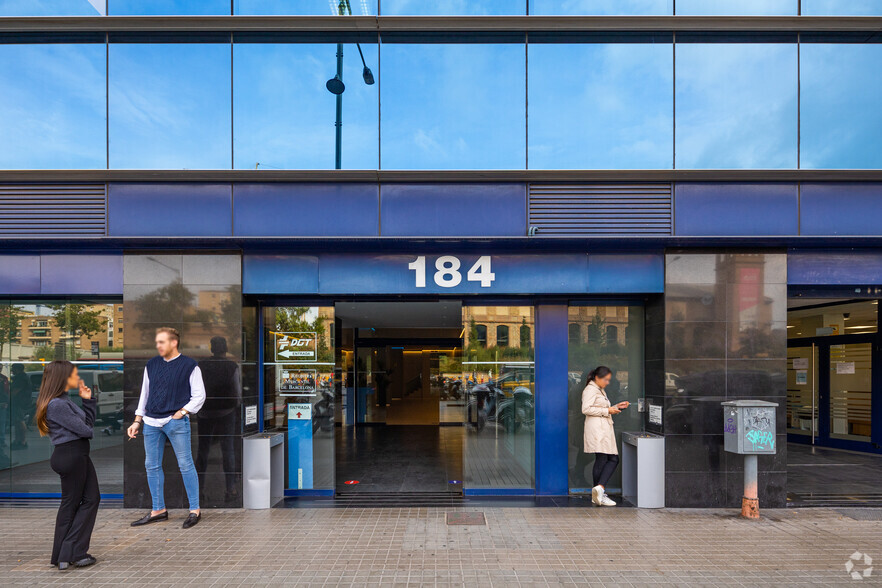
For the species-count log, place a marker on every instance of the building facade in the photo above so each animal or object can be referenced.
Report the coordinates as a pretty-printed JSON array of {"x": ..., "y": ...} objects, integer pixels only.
[{"x": 392, "y": 217}]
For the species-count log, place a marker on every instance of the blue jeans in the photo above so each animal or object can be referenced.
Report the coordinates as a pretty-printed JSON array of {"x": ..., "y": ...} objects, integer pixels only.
[{"x": 178, "y": 432}]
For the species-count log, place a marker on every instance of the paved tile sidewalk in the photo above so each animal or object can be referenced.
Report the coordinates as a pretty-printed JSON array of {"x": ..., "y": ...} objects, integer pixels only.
[{"x": 414, "y": 547}]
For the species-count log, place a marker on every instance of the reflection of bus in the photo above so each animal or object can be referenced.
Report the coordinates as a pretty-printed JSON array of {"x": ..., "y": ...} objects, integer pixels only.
[{"x": 106, "y": 385}]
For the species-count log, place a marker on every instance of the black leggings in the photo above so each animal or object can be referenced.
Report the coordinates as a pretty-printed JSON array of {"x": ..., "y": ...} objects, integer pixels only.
[
  {"x": 79, "y": 500},
  {"x": 604, "y": 466}
]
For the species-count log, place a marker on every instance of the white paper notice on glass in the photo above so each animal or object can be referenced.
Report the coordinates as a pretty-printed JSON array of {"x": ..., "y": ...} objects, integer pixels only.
[
  {"x": 655, "y": 414},
  {"x": 844, "y": 367},
  {"x": 801, "y": 377},
  {"x": 800, "y": 363},
  {"x": 251, "y": 415}
]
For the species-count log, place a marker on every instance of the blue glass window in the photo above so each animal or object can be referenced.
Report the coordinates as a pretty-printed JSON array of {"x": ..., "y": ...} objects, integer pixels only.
[
  {"x": 170, "y": 7},
  {"x": 284, "y": 115},
  {"x": 313, "y": 7},
  {"x": 170, "y": 106},
  {"x": 453, "y": 7},
  {"x": 842, "y": 7},
  {"x": 601, "y": 106},
  {"x": 53, "y": 106},
  {"x": 52, "y": 8},
  {"x": 841, "y": 119},
  {"x": 738, "y": 7},
  {"x": 736, "y": 105},
  {"x": 453, "y": 106},
  {"x": 602, "y": 7}
]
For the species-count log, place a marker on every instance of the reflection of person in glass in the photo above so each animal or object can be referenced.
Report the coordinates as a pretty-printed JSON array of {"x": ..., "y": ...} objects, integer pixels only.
[
  {"x": 69, "y": 427},
  {"x": 20, "y": 396},
  {"x": 600, "y": 436},
  {"x": 219, "y": 415}
]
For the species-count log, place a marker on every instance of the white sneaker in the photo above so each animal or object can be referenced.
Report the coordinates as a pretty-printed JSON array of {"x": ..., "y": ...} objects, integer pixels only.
[
  {"x": 596, "y": 494},
  {"x": 607, "y": 501}
]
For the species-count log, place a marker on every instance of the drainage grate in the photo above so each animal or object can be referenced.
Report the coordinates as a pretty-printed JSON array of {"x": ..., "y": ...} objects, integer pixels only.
[
  {"x": 466, "y": 518},
  {"x": 861, "y": 514}
]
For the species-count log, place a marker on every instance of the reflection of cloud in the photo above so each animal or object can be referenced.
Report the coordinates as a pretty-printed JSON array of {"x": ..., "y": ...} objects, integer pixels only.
[
  {"x": 601, "y": 7},
  {"x": 736, "y": 106},
  {"x": 301, "y": 7},
  {"x": 454, "y": 7},
  {"x": 51, "y": 7},
  {"x": 838, "y": 7},
  {"x": 738, "y": 7}
]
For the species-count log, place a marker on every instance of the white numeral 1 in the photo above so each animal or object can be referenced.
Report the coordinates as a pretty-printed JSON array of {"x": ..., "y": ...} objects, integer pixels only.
[
  {"x": 481, "y": 272},
  {"x": 419, "y": 266}
]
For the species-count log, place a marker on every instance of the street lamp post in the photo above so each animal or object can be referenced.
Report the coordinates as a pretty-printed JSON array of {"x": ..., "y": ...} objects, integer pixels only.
[{"x": 336, "y": 86}]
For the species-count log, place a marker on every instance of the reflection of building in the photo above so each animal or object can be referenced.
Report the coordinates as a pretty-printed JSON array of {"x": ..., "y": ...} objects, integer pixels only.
[
  {"x": 499, "y": 326},
  {"x": 609, "y": 323},
  {"x": 39, "y": 328}
]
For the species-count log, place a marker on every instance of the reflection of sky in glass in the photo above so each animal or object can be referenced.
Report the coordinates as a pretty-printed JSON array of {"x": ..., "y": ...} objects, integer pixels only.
[
  {"x": 602, "y": 7},
  {"x": 161, "y": 7},
  {"x": 170, "y": 106},
  {"x": 842, "y": 7},
  {"x": 52, "y": 7},
  {"x": 841, "y": 106},
  {"x": 284, "y": 116},
  {"x": 453, "y": 7},
  {"x": 456, "y": 106},
  {"x": 308, "y": 7},
  {"x": 611, "y": 107},
  {"x": 736, "y": 105},
  {"x": 738, "y": 7},
  {"x": 53, "y": 106}
]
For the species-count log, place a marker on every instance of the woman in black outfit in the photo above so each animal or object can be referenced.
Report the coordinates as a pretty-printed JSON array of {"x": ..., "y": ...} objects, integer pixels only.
[{"x": 70, "y": 427}]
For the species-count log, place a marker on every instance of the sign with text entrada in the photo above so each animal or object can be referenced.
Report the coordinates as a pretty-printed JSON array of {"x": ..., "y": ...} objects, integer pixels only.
[{"x": 295, "y": 347}]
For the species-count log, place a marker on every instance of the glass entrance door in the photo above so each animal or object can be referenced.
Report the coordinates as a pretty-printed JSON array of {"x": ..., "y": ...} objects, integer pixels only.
[{"x": 802, "y": 391}]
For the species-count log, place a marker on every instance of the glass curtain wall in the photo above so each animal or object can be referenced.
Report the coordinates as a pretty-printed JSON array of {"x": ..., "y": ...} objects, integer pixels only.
[
  {"x": 611, "y": 336},
  {"x": 32, "y": 334},
  {"x": 298, "y": 386},
  {"x": 499, "y": 380}
]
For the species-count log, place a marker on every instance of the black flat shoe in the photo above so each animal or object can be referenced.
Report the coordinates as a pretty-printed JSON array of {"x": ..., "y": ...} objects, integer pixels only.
[
  {"x": 151, "y": 519},
  {"x": 86, "y": 561},
  {"x": 192, "y": 519},
  {"x": 63, "y": 565}
]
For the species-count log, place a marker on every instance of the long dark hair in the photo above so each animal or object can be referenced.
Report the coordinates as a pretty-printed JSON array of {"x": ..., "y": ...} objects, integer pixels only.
[
  {"x": 600, "y": 371},
  {"x": 54, "y": 385}
]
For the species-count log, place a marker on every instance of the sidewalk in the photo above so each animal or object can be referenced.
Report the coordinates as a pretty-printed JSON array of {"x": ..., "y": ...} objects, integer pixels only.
[{"x": 416, "y": 547}]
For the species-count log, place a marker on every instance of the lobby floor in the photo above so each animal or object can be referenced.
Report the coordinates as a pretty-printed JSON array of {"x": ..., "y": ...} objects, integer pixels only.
[
  {"x": 832, "y": 477},
  {"x": 626, "y": 547}
]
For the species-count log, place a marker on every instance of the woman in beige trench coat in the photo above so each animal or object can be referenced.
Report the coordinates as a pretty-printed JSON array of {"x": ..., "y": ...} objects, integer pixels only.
[{"x": 600, "y": 436}]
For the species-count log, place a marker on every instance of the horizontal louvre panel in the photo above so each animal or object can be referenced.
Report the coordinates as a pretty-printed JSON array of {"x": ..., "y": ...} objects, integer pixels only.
[
  {"x": 47, "y": 210},
  {"x": 601, "y": 209}
]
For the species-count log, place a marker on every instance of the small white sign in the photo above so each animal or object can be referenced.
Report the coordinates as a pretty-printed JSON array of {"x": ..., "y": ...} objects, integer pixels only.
[
  {"x": 298, "y": 346},
  {"x": 251, "y": 415},
  {"x": 800, "y": 363},
  {"x": 801, "y": 377},
  {"x": 655, "y": 414},
  {"x": 300, "y": 411},
  {"x": 844, "y": 367}
]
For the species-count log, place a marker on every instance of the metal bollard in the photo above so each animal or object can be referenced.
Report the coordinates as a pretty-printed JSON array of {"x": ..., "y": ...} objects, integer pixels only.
[{"x": 750, "y": 500}]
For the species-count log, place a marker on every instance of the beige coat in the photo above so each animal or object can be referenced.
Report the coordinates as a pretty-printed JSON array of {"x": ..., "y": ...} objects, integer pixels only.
[{"x": 600, "y": 437}]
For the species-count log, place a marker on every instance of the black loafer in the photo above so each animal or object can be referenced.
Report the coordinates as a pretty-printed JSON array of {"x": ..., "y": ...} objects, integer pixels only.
[
  {"x": 151, "y": 519},
  {"x": 63, "y": 565},
  {"x": 86, "y": 561},
  {"x": 192, "y": 519}
]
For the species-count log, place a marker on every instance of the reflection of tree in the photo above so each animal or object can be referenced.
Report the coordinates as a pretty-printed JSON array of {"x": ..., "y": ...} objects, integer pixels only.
[
  {"x": 758, "y": 342},
  {"x": 155, "y": 304},
  {"x": 292, "y": 319},
  {"x": 10, "y": 316},
  {"x": 43, "y": 353},
  {"x": 78, "y": 319}
]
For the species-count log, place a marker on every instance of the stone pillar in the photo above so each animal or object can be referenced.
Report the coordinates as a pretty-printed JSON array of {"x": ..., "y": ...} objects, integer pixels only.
[
  {"x": 200, "y": 296},
  {"x": 719, "y": 333}
]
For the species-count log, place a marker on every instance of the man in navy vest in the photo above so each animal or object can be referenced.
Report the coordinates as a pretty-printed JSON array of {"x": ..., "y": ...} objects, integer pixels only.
[{"x": 172, "y": 390}]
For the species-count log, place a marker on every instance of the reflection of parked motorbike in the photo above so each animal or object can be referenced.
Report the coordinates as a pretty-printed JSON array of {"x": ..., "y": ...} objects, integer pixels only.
[
  {"x": 451, "y": 389},
  {"x": 490, "y": 403},
  {"x": 323, "y": 413}
]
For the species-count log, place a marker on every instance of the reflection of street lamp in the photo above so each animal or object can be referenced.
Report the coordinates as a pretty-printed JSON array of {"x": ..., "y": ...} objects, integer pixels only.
[{"x": 336, "y": 86}]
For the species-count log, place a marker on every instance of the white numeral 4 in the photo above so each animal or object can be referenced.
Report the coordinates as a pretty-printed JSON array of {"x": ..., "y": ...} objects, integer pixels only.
[{"x": 481, "y": 272}]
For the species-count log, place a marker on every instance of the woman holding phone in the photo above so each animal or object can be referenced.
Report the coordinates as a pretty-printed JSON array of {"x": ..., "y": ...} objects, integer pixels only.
[
  {"x": 600, "y": 435},
  {"x": 69, "y": 427}
]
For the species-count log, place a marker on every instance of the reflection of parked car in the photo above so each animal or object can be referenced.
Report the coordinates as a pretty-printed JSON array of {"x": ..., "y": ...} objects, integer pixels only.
[{"x": 106, "y": 385}]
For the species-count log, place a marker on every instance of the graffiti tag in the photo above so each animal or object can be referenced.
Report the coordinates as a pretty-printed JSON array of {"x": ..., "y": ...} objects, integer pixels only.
[{"x": 760, "y": 439}]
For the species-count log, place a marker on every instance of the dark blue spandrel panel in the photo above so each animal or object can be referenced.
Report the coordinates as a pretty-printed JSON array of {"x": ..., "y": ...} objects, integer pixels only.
[
  {"x": 841, "y": 209},
  {"x": 169, "y": 210},
  {"x": 82, "y": 274},
  {"x": 311, "y": 209},
  {"x": 818, "y": 268},
  {"x": 19, "y": 274},
  {"x": 453, "y": 209},
  {"x": 840, "y": 117},
  {"x": 602, "y": 7},
  {"x": 711, "y": 209},
  {"x": 736, "y": 106},
  {"x": 280, "y": 274},
  {"x": 618, "y": 273}
]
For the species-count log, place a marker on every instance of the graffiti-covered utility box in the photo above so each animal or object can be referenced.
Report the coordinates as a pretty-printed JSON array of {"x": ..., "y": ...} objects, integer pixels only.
[{"x": 749, "y": 427}]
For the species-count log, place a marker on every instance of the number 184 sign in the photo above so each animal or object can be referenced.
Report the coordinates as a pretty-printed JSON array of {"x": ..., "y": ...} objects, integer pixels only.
[{"x": 448, "y": 271}]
